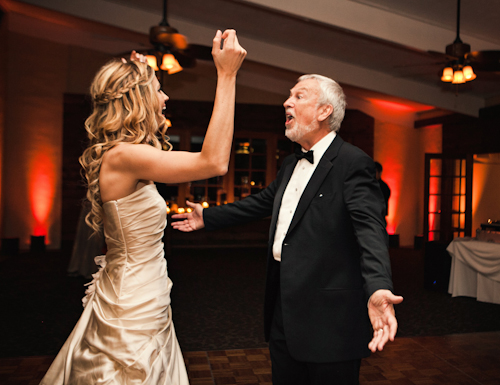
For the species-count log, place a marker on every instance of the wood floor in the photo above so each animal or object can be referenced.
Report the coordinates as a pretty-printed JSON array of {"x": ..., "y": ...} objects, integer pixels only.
[{"x": 454, "y": 359}]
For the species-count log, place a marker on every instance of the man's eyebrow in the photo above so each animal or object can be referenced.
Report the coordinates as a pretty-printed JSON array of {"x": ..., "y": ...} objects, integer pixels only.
[{"x": 300, "y": 89}]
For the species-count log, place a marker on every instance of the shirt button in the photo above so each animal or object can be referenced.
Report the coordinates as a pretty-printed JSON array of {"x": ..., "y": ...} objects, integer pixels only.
[{"x": 290, "y": 211}]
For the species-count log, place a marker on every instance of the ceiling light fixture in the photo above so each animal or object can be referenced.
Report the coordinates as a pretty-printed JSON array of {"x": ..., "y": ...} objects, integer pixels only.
[
  {"x": 168, "y": 62},
  {"x": 458, "y": 71},
  {"x": 166, "y": 42},
  {"x": 458, "y": 74}
]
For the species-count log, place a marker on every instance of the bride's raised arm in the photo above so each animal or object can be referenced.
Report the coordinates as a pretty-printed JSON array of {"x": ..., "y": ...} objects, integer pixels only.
[{"x": 147, "y": 163}]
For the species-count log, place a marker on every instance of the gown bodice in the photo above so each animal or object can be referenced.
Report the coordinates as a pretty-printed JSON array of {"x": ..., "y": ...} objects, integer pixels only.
[
  {"x": 125, "y": 335},
  {"x": 133, "y": 229}
]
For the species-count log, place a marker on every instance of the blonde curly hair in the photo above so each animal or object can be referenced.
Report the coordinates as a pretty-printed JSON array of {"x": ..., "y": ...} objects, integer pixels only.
[{"x": 126, "y": 109}]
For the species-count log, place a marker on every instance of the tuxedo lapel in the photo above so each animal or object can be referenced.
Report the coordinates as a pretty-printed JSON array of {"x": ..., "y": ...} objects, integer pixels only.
[{"x": 319, "y": 175}]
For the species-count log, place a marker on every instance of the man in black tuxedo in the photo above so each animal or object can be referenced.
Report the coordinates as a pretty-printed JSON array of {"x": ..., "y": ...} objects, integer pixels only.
[{"x": 328, "y": 271}]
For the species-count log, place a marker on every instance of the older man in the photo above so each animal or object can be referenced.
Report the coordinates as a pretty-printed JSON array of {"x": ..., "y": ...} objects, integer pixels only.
[{"x": 328, "y": 271}]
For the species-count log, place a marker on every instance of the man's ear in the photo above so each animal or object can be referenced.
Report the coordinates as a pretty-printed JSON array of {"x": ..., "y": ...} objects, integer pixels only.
[{"x": 324, "y": 112}]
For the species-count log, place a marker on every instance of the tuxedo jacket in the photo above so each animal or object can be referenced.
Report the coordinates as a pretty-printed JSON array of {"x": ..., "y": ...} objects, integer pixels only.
[{"x": 334, "y": 255}]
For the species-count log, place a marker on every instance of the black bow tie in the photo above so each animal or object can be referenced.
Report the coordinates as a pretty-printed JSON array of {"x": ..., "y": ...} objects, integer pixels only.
[{"x": 299, "y": 154}]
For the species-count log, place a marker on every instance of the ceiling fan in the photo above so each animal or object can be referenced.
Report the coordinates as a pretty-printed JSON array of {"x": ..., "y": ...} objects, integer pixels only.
[
  {"x": 171, "y": 51},
  {"x": 461, "y": 62}
]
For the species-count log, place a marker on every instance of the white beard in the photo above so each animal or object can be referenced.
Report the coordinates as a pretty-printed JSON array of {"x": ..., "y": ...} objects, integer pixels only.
[{"x": 297, "y": 131}]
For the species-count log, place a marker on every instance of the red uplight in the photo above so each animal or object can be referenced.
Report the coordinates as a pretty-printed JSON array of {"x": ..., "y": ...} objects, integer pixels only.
[
  {"x": 398, "y": 106},
  {"x": 392, "y": 105},
  {"x": 42, "y": 190}
]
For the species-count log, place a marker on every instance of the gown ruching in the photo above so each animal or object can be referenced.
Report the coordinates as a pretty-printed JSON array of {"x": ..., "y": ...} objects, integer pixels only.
[{"x": 125, "y": 334}]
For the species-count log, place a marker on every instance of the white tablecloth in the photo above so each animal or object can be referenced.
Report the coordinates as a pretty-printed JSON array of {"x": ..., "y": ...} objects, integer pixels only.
[{"x": 475, "y": 269}]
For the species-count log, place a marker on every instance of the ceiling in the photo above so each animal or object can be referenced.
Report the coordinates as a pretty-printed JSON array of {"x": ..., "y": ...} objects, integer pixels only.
[{"x": 377, "y": 46}]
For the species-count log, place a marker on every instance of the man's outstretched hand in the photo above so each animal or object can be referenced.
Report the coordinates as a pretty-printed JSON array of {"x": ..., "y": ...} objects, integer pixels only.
[
  {"x": 191, "y": 221},
  {"x": 382, "y": 317}
]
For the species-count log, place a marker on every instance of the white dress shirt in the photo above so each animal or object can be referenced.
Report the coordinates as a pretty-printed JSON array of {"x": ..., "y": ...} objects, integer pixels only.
[{"x": 298, "y": 182}]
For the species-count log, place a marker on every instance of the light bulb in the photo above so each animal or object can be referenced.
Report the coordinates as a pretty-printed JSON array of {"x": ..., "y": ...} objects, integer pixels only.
[
  {"x": 447, "y": 74},
  {"x": 458, "y": 77},
  {"x": 469, "y": 73},
  {"x": 168, "y": 62},
  {"x": 152, "y": 62}
]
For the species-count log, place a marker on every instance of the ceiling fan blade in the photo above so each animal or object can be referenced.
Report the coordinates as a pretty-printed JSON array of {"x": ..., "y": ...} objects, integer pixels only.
[
  {"x": 178, "y": 41},
  {"x": 443, "y": 56},
  {"x": 484, "y": 60},
  {"x": 175, "y": 41},
  {"x": 414, "y": 65},
  {"x": 198, "y": 51},
  {"x": 167, "y": 36},
  {"x": 186, "y": 61}
]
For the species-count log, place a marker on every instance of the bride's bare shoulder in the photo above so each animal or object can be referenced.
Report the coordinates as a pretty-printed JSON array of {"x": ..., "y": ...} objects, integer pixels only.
[{"x": 122, "y": 154}]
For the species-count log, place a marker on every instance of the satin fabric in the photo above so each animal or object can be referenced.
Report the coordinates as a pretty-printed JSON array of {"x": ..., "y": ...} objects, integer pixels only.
[{"x": 125, "y": 334}]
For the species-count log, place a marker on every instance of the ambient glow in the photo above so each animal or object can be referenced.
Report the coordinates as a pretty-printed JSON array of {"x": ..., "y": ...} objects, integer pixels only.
[{"x": 42, "y": 177}]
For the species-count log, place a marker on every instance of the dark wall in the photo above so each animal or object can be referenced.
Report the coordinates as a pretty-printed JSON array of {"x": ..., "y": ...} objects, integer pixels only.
[
  {"x": 358, "y": 129},
  {"x": 467, "y": 135},
  {"x": 76, "y": 110}
]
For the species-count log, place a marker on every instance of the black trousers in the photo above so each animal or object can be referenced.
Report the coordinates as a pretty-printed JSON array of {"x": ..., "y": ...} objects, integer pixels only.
[{"x": 288, "y": 371}]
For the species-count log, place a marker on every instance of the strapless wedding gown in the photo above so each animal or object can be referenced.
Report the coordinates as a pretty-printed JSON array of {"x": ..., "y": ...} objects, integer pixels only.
[{"x": 125, "y": 334}]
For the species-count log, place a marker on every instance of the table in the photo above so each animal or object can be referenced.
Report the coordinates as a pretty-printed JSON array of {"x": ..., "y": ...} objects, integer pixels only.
[{"x": 475, "y": 269}]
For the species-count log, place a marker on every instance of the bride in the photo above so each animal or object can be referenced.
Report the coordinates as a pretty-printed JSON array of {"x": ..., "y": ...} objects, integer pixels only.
[{"x": 125, "y": 334}]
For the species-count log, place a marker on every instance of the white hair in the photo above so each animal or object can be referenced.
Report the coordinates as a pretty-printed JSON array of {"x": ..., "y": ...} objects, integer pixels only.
[{"x": 330, "y": 93}]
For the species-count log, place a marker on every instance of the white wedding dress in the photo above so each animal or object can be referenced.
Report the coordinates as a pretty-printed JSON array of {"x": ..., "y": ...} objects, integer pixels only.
[{"x": 125, "y": 334}]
